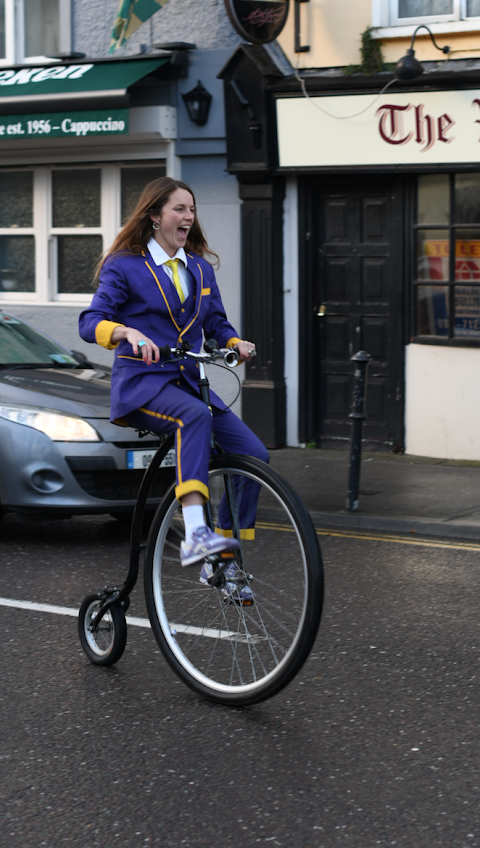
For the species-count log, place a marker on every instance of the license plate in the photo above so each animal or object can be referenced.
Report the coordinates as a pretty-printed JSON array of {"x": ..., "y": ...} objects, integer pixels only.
[{"x": 143, "y": 458}]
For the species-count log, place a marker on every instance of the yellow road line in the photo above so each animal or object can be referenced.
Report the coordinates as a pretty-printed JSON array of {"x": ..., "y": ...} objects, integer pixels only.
[
  {"x": 368, "y": 537},
  {"x": 400, "y": 540}
]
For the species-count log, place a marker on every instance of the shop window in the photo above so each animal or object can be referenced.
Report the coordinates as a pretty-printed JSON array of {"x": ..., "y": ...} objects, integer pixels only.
[
  {"x": 31, "y": 29},
  {"x": 134, "y": 181},
  {"x": 447, "y": 258},
  {"x": 17, "y": 247},
  {"x": 41, "y": 24},
  {"x": 76, "y": 207},
  {"x": 55, "y": 224}
]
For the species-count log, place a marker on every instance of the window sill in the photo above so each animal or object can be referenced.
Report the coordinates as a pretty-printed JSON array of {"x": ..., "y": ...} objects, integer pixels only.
[
  {"x": 438, "y": 340},
  {"x": 10, "y": 300},
  {"x": 445, "y": 27}
]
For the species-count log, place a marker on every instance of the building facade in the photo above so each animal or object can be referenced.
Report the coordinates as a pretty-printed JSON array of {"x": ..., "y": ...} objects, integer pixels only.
[
  {"x": 82, "y": 132},
  {"x": 361, "y": 223}
]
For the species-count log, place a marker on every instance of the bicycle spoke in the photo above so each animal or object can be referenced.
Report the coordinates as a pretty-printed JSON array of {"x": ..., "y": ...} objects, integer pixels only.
[{"x": 241, "y": 639}]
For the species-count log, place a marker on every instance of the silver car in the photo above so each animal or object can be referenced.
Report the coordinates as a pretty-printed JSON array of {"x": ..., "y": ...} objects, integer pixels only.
[{"x": 59, "y": 453}]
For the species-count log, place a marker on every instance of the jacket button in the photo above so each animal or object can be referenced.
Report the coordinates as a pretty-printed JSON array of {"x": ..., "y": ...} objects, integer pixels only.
[
  {"x": 183, "y": 310},
  {"x": 182, "y": 367}
]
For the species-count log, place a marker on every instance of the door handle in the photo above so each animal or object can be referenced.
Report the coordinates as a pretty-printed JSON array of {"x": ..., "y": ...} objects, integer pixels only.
[{"x": 322, "y": 310}]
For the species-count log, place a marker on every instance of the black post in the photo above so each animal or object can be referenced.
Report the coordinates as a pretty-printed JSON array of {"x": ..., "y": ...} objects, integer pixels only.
[{"x": 361, "y": 360}]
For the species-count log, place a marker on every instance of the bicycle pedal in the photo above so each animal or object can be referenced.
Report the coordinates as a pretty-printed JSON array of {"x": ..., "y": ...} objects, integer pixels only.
[
  {"x": 214, "y": 559},
  {"x": 231, "y": 599}
]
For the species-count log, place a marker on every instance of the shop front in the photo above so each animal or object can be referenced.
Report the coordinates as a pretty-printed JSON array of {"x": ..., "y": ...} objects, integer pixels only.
[
  {"x": 78, "y": 142},
  {"x": 381, "y": 251}
]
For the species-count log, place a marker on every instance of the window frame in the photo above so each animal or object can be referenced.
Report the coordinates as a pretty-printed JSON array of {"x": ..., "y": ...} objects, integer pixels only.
[
  {"x": 14, "y": 34},
  {"x": 387, "y": 23},
  {"x": 395, "y": 20},
  {"x": 46, "y": 254},
  {"x": 452, "y": 228}
]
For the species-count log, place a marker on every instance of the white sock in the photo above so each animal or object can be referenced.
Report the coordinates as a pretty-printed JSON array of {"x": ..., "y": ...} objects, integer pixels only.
[{"x": 192, "y": 518}]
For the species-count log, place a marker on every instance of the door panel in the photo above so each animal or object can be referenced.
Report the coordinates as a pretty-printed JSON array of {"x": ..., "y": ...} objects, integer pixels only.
[{"x": 357, "y": 231}]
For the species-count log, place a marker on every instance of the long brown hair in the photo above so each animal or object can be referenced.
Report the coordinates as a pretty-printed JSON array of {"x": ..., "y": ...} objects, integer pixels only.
[{"x": 136, "y": 233}]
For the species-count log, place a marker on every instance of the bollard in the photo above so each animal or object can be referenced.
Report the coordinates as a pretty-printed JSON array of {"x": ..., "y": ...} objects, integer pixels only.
[{"x": 361, "y": 360}]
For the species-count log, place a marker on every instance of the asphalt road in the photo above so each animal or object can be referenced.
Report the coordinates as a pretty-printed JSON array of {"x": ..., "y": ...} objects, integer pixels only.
[{"x": 375, "y": 743}]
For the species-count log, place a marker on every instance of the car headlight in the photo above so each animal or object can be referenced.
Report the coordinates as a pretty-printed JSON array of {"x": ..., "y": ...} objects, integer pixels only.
[{"x": 58, "y": 427}]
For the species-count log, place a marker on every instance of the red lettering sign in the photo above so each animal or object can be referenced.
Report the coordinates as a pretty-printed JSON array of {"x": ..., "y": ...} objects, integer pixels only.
[
  {"x": 390, "y": 133},
  {"x": 427, "y": 129}
]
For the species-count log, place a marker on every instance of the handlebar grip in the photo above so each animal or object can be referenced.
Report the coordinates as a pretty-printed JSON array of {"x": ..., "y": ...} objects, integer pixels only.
[
  {"x": 210, "y": 345},
  {"x": 165, "y": 352}
]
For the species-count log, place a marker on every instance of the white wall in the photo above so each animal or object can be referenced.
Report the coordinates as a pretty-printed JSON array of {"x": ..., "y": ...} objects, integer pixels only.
[{"x": 442, "y": 409}]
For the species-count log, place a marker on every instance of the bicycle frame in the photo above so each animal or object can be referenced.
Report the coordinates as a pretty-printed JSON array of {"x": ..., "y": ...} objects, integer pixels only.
[{"x": 113, "y": 594}]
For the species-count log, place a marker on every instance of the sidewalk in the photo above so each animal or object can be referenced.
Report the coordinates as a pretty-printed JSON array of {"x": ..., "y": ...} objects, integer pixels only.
[{"x": 398, "y": 494}]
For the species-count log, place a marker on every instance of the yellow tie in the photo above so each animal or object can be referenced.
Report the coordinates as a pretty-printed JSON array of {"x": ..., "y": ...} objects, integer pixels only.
[{"x": 173, "y": 264}]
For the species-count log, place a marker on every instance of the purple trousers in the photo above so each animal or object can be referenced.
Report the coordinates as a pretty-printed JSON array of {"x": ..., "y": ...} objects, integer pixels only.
[{"x": 178, "y": 410}]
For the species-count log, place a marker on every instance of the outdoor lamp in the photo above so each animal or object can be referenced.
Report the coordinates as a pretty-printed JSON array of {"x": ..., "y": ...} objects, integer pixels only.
[
  {"x": 198, "y": 102},
  {"x": 407, "y": 68}
]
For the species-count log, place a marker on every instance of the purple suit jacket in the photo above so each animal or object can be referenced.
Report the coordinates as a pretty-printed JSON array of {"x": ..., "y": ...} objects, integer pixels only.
[{"x": 137, "y": 293}]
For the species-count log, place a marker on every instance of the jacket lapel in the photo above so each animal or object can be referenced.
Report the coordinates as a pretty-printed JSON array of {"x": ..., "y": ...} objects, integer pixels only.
[
  {"x": 168, "y": 292},
  {"x": 194, "y": 269}
]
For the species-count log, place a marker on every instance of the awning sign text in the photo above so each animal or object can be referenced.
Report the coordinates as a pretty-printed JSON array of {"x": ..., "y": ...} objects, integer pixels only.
[{"x": 64, "y": 124}]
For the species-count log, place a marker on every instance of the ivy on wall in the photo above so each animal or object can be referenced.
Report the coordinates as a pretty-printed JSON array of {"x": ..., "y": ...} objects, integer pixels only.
[{"x": 371, "y": 56}]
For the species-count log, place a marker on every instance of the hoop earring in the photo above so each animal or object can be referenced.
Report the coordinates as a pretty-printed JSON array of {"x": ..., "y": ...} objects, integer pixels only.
[{"x": 155, "y": 225}]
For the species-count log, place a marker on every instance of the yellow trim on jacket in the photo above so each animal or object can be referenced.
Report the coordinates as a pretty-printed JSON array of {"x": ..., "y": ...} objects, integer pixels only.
[
  {"x": 103, "y": 333},
  {"x": 163, "y": 295},
  {"x": 198, "y": 307}
]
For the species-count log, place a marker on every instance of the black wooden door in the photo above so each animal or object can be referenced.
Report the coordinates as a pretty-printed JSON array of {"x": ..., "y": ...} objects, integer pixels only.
[{"x": 359, "y": 305}]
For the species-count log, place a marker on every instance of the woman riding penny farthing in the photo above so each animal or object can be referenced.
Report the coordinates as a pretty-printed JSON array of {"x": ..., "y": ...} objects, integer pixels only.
[{"x": 232, "y": 570}]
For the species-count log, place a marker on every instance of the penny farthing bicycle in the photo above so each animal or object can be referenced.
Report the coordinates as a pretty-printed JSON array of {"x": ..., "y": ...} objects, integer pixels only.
[{"x": 232, "y": 651}]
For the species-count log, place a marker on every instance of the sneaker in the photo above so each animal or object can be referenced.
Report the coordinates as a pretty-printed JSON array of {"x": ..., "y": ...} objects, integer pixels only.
[
  {"x": 204, "y": 543},
  {"x": 230, "y": 590}
]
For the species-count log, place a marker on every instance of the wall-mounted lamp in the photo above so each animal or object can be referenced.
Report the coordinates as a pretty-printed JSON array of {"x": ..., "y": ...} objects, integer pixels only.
[
  {"x": 198, "y": 102},
  {"x": 407, "y": 68}
]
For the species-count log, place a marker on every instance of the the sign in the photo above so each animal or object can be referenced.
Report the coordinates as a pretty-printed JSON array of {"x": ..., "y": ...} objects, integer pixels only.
[
  {"x": 64, "y": 124},
  {"x": 69, "y": 79},
  {"x": 434, "y": 265},
  {"x": 258, "y": 21},
  {"x": 394, "y": 129}
]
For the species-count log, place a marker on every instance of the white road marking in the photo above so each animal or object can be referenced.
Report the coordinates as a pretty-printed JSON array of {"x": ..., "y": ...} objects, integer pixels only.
[
  {"x": 51, "y": 608},
  {"x": 209, "y": 632}
]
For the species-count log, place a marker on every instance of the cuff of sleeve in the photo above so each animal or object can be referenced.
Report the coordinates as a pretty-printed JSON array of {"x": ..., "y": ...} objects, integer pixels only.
[
  {"x": 233, "y": 341},
  {"x": 103, "y": 333}
]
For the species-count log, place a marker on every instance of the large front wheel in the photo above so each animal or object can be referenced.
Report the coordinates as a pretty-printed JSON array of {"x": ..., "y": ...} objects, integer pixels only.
[{"x": 222, "y": 642}]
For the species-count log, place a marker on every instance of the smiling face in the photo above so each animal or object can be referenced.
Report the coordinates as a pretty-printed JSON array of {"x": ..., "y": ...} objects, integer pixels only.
[{"x": 175, "y": 219}]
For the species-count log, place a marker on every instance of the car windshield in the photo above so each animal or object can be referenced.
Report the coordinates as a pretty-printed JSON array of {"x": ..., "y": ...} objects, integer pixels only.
[{"x": 22, "y": 345}]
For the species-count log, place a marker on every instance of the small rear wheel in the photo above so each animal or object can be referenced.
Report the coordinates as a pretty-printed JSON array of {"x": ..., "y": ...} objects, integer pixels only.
[{"x": 105, "y": 644}]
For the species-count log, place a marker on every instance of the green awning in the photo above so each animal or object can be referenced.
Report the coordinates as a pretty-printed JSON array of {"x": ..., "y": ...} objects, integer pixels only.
[{"x": 70, "y": 79}]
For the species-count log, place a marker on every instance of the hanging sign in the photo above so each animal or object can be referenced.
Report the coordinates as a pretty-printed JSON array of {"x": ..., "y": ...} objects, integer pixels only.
[
  {"x": 258, "y": 21},
  {"x": 64, "y": 124}
]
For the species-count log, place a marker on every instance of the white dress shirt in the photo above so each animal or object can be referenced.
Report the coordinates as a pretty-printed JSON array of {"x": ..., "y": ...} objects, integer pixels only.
[{"x": 160, "y": 257}]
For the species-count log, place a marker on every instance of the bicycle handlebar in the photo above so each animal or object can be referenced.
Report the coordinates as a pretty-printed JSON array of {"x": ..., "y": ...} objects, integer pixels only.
[{"x": 230, "y": 356}]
